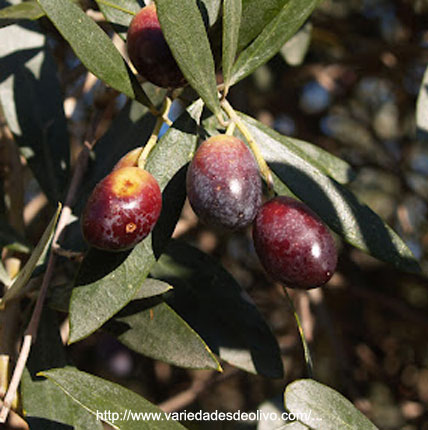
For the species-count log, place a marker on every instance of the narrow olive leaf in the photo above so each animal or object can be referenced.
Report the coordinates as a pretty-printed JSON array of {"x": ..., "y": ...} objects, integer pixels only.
[
  {"x": 21, "y": 11},
  {"x": 272, "y": 414},
  {"x": 284, "y": 25},
  {"x": 256, "y": 15},
  {"x": 184, "y": 30},
  {"x": 322, "y": 408},
  {"x": 214, "y": 305},
  {"x": 36, "y": 255},
  {"x": 93, "y": 47},
  {"x": 422, "y": 109},
  {"x": 57, "y": 411},
  {"x": 4, "y": 276},
  {"x": 110, "y": 402},
  {"x": 11, "y": 239},
  {"x": 59, "y": 297},
  {"x": 28, "y": 75},
  {"x": 150, "y": 327},
  {"x": 107, "y": 282},
  {"x": 119, "y": 13},
  {"x": 232, "y": 10},
  {"x": 331, "y": 165},
  {"x": 334, "y": 203},
  {"x": 295, "y": 49},
  {"x": 294, "y": 426}
]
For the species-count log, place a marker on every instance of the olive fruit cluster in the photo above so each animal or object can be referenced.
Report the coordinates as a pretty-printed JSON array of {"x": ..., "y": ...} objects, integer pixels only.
[
  {"x": 223, "y": 186},
  {"x": 224, "y": 189},
  {"x": 123, "y": 207}
]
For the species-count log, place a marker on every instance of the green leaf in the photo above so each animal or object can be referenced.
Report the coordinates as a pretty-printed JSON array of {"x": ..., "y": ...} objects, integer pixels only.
[
  {"x": 119, "y": 13},
  {"x": 93, "y": 47},
  {"x": 11, "y": 239},
  {"x": 334, "y": 203},
  {"x": 256, "y": 15},
  {"x": 294, "y": 426},
  {"x": 284, "y": 25},
  {"x": 59, "y": 298},
  {"x": 332, "y": 166},
  {"x": 422, "y": 109},
  {"x": 232, "y": 10},
  {"x": 150, "y": 327},
  {"x": 109, "y": 281},
  {"x": 271, "y": 412},
  {"x": 28, "y": 10},
  {"x": 295, "y": 49},
  {"x": 214, "y": 305},
  {"x": 4, "y": 276},
  {"x": 36, "y": 255},
  {"x": 98, "y": 395},
  {"x": 322, "y": 408},
  {"x": 56, "y": 411},
  {"x": 28, "y": 75},
  {"x": 184, "y": 31}
]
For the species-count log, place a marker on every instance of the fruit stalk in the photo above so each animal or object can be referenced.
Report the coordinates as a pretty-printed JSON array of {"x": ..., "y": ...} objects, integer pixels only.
[
  {"x": 155, "y": 134},
  {"x": 264, "y": 168}
]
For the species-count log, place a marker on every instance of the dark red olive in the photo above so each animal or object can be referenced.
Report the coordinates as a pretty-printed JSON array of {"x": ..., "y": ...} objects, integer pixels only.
[
  {"x": 293, "y": 244},
  {"x": 223, "y": 183},
  {"x": 149, "y": 52},
  {"x": 122, "y": 209}
]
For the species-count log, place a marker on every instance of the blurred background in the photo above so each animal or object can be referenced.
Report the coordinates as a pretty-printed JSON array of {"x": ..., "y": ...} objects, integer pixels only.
[{"x": 348, "y": 82}]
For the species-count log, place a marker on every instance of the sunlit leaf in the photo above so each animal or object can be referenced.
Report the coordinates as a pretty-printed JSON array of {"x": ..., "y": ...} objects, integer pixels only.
[
  {"x": 422, "y": 109},
  {"x": 21, "y": 11},
  {"x": 98, "y": 395},
  {"x": 322, "y": 408}
]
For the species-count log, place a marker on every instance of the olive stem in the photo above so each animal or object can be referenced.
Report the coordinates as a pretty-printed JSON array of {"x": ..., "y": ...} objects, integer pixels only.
[
  {"x": 155, "y": 134},
  {"x": 230, "y": 129},
  {"x": 113, "y": 6},
  {"x": 308, "y": 357},
  {"x": 264, "y": 168},
  {"x": 30, "y": 333}
]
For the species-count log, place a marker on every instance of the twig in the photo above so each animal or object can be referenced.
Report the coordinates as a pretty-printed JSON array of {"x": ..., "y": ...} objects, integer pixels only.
[
  {"x": 188, "y": 396},
  {"x": 31, "y": 331}
]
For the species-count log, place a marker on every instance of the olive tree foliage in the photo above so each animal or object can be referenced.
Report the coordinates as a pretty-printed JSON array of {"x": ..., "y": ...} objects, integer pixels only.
[{"x": 164, "y": 299}]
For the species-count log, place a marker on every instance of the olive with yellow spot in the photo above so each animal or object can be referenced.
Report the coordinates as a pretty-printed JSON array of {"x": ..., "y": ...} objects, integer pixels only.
[{"x": 122, "y": 209}]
